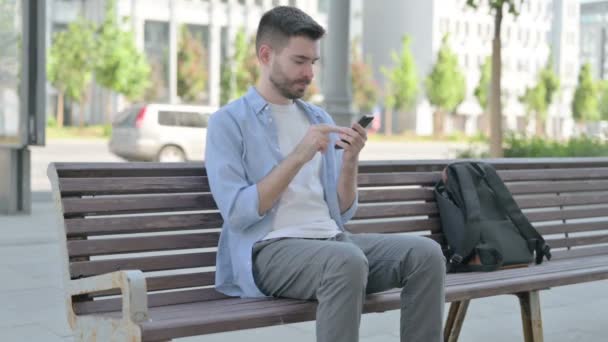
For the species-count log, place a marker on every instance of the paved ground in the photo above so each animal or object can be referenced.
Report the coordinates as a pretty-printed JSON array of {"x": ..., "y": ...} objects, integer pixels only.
[{"x": 31, "y": 297}]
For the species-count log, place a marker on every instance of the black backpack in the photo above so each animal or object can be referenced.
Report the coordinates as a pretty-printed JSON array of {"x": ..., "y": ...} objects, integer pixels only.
[{"x": 484, "y": 228}]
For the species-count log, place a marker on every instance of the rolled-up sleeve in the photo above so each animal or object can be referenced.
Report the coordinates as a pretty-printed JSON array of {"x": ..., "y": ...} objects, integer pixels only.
[
  {"x": 236, "y": 197},
  {"x": 350, "y": 212}
]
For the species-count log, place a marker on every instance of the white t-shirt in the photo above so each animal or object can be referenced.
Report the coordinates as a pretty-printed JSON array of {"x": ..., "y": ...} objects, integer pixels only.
[{"x": 301, "y": 211}]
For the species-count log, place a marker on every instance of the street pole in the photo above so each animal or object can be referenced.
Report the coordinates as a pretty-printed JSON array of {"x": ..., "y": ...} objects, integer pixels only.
[{"x": 337, "y": 69}]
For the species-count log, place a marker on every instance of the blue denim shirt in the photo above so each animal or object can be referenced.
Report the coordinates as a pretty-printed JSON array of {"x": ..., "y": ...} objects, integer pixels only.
[{"x": 242, "y": 148}]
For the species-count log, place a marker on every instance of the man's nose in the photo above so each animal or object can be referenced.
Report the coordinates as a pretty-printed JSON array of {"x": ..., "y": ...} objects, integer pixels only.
[{"x": 309, "y": 72}]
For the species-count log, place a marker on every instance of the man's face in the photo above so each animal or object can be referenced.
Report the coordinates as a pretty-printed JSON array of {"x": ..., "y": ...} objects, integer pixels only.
[{"x": 291, "y": 69}]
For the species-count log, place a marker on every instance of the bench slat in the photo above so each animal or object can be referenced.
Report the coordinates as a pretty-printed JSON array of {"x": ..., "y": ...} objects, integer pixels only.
[
  {"x": 398, "y": 178},
  {"x": 553, "y": 174},
  {"x": 154, "y": 300},
  {"x": 131, "y": 185},
  {"x": 565, "y": 214},
  {"x": 172, "y": 282},
  {"x": 430, "y": 178},
  {"x": 551, "y": 200},
  {"x": 580, "y": 252},
  {"x": 395, "y": 210},
  {"x": 402, "y": 226},
  {"x": 148, "y": 263},
  {"x": 572, "y": 227},
  {"x": 131, "y": 169},
  {"x": 578, "y": 241},
  {"x": 137, "y": 204},
  {"x": 78, "y": 248},
  {"x": 557, "y": 187},
  {"x": 396, "y": 195},
  {"x": 141, "y": 224}
]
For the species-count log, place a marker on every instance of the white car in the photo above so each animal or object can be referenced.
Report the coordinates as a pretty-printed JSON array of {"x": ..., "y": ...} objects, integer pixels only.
[{"x": 161, "y": 132}]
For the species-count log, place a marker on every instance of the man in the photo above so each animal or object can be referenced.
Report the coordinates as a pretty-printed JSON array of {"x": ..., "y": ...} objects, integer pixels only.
[{"x": 285, "y": 192}]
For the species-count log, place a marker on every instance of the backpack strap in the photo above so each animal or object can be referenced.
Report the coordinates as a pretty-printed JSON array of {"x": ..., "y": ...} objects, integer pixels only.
[
  {"x": 460, "y": 184},
  {"x": 535, "y": 241},
  {"x": 491, "y": 260}
]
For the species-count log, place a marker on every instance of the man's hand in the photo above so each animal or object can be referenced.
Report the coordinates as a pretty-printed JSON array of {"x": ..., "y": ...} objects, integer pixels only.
[
  {"x": 316, "y": 140},
  {"x": 356, "y": 137}
]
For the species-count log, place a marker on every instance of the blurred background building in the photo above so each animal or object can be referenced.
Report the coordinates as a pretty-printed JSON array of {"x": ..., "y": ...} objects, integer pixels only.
[
  {"x": 544, "y": 28},
  {"x": 594, "y": 36},
  {"x": 156, "y": 25}
]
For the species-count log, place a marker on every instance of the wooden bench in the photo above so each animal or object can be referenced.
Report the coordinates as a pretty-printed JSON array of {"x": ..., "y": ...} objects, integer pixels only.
[{"x": 139, "y": 244}]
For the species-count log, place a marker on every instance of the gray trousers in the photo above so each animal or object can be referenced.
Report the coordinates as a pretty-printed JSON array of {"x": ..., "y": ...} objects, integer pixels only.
[{"x": 340, "y": 271}]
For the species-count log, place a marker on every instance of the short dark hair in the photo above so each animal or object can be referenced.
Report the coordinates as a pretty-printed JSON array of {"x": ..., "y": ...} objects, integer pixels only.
[{"x": 283, "y": 22}]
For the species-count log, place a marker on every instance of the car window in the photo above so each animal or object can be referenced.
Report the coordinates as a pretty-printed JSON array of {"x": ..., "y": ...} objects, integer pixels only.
[
  {"x": 127, "y": 117},
  {"x": 183, "y": 119}
]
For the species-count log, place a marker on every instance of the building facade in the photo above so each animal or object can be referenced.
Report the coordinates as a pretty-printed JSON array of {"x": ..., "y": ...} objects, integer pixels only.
[
  {"x": 594, "y": 36},
  {"x": 543, "y": 27},
  {"x": 156, "y": 26}
]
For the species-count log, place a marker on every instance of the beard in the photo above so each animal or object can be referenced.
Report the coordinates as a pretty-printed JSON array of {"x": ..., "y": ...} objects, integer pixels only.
[{"x": 290, "y": 89}]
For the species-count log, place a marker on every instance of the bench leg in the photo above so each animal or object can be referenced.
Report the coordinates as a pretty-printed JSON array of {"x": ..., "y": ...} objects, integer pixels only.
[
  {"x": 530, "y": 316},
  {"x": 453, "y": 325},
  {"x": 100, "y": 329}
]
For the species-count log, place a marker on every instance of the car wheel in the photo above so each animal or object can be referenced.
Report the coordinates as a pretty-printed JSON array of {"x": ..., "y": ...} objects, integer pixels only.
[{"x": 171, "y": 154}]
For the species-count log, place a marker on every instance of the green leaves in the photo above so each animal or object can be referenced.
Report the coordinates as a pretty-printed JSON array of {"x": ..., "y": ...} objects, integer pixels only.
[
  {"x": 446, "y": 85},
  {"x": 585, "y": 102},
  {"x": 72, "y": 58},
  {"x": 365, "y": 88},
  {"x": 120, "y": 66},
  {"x": 192, "y": 72},
  {"x": 482, "y": 90},
  {"x": 402, "y": 79},
  {"x": 242, "y": 69}
]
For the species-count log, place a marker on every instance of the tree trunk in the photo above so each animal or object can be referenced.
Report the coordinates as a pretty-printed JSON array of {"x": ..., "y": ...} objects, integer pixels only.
[
  {"x": 388, "y": 122},
  {"x": 495, "y": 101},
  {"x": 540, "y": 124},
  {"x": 81, "y": 121},
  {"x": 60, "y": 109},
  {"x": 108, "y": 107},
  {"x": 438, "y": 120}
]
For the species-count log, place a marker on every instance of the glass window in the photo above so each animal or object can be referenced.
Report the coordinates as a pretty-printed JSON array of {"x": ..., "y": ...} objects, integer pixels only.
[
  {"x": 10, "y": 66},
  {"x": 156, "y": 42},
  {"x": 183, "y": 119}
]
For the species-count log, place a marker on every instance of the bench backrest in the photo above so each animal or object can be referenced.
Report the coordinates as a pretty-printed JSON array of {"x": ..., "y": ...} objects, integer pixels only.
[{"x": 161, "y": 218}]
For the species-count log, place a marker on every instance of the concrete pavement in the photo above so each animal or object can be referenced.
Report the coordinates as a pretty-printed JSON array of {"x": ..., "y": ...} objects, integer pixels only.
[{"x": 31, "y": 296}]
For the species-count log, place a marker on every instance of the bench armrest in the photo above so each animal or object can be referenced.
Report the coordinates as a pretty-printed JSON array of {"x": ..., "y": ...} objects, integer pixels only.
[{"x": 132, "y": 285}]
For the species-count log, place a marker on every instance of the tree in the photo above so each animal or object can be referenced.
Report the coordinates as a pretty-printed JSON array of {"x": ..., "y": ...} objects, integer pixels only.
[
  {"x": 534, "y": 100},
  {"x": 364, "y": 87},
  {"x": 241, "y": 70},
  {"x": 402, "y": 87},
  {"x": 603, "y": 102},
  {"x": 445, "y": 85},
  {"x": 70, "y": 64},
  {"x": 192, "y": 73},
  {"x": 550, "y": 80},
  {"x": 497, "y": 8},
  {"x": 585, "y": 103},
  {"x": 482, "y": 89},
  {"x": 538, "y": 99},
  {"x": 121, "y": 67}
]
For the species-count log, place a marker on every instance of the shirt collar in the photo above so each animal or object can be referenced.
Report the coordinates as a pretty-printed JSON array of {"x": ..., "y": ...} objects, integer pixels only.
[{"x": 258, "y": 103}]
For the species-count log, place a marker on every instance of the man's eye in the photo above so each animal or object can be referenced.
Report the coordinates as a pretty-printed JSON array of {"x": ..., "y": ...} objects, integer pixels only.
[{"x": 299, "y": 62}]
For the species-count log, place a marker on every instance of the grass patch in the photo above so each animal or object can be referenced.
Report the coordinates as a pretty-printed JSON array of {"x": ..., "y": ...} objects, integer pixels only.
[{"x": 87, "y": 132}]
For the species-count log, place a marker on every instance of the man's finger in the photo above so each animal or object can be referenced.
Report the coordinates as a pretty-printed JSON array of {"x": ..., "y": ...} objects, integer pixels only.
[{"x": 324, "y": 128}]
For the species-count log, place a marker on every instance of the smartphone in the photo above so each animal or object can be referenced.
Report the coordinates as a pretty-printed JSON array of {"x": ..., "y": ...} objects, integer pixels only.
[{"x": 364, "y": 121}]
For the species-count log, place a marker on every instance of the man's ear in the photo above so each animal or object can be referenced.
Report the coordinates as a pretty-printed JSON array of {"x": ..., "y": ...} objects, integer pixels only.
[{"x": 264, "y": 54}]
